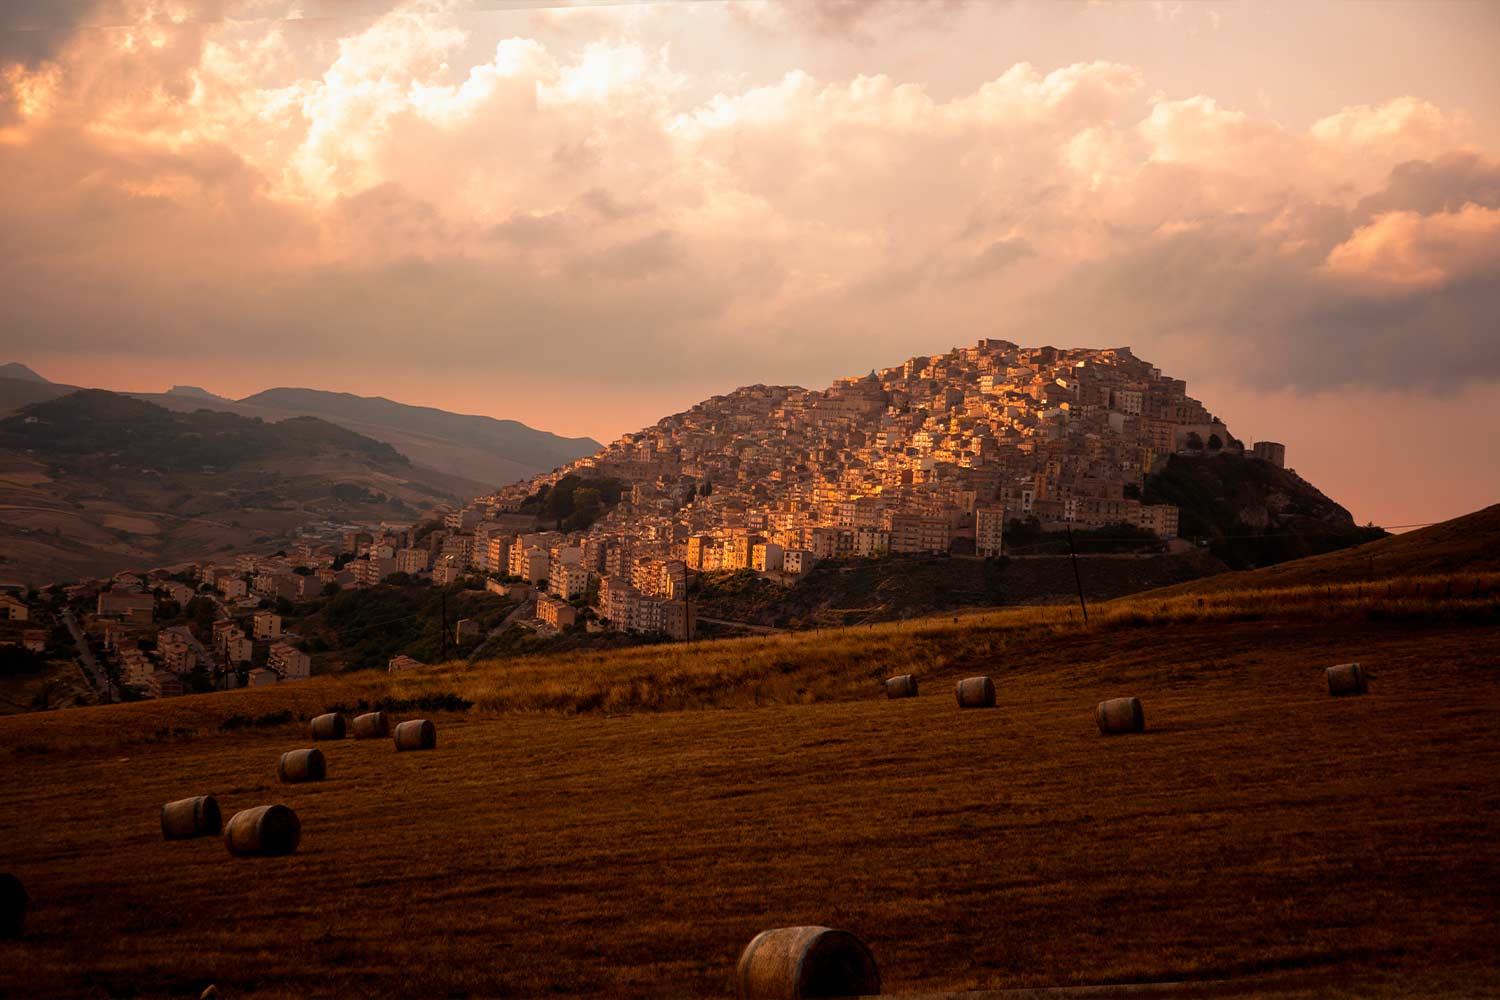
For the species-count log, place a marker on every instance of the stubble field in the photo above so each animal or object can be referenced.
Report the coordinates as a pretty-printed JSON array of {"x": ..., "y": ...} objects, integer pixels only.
[{"x": 1342, "y": 847}]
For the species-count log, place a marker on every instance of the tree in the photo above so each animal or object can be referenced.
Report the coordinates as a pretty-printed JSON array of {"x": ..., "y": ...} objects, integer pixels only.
[
  {"x": 1194, "y": 442},
  {"x": 20, "y": 660},
  {"x": 1214, "y": 444},
  {"x": 202, "y": 611}
]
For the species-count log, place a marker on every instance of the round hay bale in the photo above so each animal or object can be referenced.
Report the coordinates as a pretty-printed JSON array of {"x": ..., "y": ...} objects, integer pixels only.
[
  {"x": 328, "y": 727},
  {"x": 418, "y": 734},
  {"x": 187, "y": 818},
  {"x": 976, "y": 692},
  {"x": 302, "y": 765},
  {"x": 791, "y": 963},
  {"x": 1347, "y": 678},
  {"x": 902, "y": 686},
  {"x": 372, "y": 726},
  {"x": 263, "y": 831},
  {"x": 13, "y": 906},
  {"x": 1120, "y": 715}
]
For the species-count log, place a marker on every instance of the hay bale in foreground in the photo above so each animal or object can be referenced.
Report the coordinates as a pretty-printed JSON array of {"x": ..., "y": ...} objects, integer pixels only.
[
  {"x": 976, "y": 692},
  {"x": 264, "y": 831},
  {"x": 1120, "y": 715},
  {"x": 329, "y": 726},
  {"x": 187, "y": 818},
  {"x": 901, "y": 686},
  {"x": 1347, "y": 678},
  {"x": 13, "y": 906},
  {"x": 372, "y": 726},
  {"x": 418, "y": 734},
  {"x": 298, "y": 766},
  {"x": 792, "y": 963}
]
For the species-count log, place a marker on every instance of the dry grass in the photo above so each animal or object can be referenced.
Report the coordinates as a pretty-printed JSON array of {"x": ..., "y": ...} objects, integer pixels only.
[
  {"x": 550, "y": 847},
  {"x": 796, "y": 668}
]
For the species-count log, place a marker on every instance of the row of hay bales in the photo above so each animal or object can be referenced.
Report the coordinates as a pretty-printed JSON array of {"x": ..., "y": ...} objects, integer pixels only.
[
  {"x": 267, "y": 831},
  {"x": 1114, "y": 716},
  {"x": 414, "y": 734}
]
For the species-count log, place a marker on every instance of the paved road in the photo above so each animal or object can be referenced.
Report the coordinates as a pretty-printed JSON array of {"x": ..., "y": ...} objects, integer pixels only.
[{"x": 92, "y": 671}]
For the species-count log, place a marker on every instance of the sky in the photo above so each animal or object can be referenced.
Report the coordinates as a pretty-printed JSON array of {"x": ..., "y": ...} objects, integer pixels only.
[{"x": 587, "y": 216}]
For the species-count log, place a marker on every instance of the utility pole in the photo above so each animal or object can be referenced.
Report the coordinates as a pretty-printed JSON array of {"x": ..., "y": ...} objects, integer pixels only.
[{"x": 1076, "y": 578}]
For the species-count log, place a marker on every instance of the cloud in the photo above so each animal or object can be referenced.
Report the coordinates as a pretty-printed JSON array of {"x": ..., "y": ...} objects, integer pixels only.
[
  {"x": 228, "y": 188},
  {"x": 32, "y": 31},
  {"x": 998, "y": 255},
  {"x": 857, "y": 22},
  {"x": 1444, "y": 184},
  {"x": 1401, "y": 253}
]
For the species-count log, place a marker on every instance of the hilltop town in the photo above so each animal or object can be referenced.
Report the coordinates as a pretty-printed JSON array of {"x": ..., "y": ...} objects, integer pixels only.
[
  {"x": 941, "y": 455},
  {"x": 935, "y": 455}
]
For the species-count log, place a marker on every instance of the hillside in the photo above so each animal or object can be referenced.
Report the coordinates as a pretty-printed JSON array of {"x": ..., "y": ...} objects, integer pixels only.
[
  {"x": 95, "y": 482},
  {"x": 482, "y": 450},
  {"x": 584, "y": 828},
  {"x": 100, "y": 432},
  {"x": 1250, "y": 512},
  {"x": 16, "y": 370},
  {"x": 860, "y": 591},
  {"x": 1465, "y": 544},
  {"x": 479, "y": 447},
  {"x": 18, "y": 392},
  {"x": 916, "y": 457}
]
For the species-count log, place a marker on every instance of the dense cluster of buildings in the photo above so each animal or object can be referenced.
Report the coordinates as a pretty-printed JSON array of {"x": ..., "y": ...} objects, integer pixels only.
[
  {"x": 244, "y": 645},
  {"x": 932, "y": 456}
]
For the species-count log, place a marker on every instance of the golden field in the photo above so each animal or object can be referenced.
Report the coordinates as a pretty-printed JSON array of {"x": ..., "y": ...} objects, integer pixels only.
[{"x": 620, "y": 825}]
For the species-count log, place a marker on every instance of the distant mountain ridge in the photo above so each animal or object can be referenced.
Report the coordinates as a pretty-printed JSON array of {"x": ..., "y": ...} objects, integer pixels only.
[
  {"x": 17, "y": 370},
  {"x": 94, "y": 427},
  {"x": 93, "y": 482},
  {"x": 486, "y": 450},
  {"x": 521, "y": 444}
]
